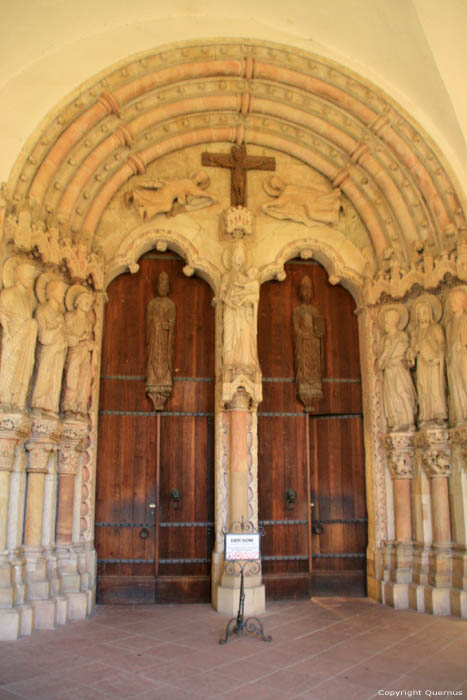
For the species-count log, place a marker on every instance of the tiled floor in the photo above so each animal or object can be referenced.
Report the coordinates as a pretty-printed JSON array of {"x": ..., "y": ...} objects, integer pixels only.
[{"x": 325, "y": 649}]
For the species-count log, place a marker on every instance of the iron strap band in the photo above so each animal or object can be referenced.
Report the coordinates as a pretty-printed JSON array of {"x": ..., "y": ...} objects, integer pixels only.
[
  {"x": 186, "y": 524},
  {"x": 296, "y": 557},
  {"x": 198, "y": 414}
]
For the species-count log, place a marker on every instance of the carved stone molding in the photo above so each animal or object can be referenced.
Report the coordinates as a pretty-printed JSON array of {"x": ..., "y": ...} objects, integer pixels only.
[
  {"x": 434, "y": 451},
  {"x": 241, "y": 400},
  {"x": 400, "y": 454},
  {"x": 42, "y": 442},
  {"x": 72, "y": 445},
  {"x": 13, "y": 428}
]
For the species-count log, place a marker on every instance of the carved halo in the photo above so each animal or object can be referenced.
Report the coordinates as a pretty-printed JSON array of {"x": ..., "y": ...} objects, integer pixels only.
[
  {"x": 73, "y": 293},
  {"x": 42, "y": 285},
  {"x": 228, "y": 252},
  {"x": 10, "y": 267},
  {"x": 429, "y": 300},
  {"x": 401, "y": 310}
]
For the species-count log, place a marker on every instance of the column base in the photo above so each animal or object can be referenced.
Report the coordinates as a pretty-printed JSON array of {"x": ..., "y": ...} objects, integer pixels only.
[
  {"x": 44, "y": 614},
  {"x": 438, "y": 600},
  {"x": 227, "y": 600},
  {"x": 77, "y": 606},
  {"x": 417, "y": 597},
  {"x": 10, "y": 625},
  {"x": 396, "y": 595},
  {"x": 459, "y": 603},
  {"x": 373, "y": 587}
]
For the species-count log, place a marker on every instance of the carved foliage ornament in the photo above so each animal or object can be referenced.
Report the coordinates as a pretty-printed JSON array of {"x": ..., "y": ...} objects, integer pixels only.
[
  {"x": 434, "y": 451},
  {"x": 400, "y": 453}
]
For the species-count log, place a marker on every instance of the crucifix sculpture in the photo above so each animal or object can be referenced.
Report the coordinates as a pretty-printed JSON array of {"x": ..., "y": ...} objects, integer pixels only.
[{"x": 238, "y": 163}]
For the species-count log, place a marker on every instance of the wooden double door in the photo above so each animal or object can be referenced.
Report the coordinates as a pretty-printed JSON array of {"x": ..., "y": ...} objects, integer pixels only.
[
  {"x": 155, "y": 474},
  {"x": 311, "y": 466}
]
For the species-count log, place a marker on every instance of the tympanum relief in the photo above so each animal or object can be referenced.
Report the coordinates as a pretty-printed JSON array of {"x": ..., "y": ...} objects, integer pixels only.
[
  {"x": 309, "y": 330},
  {"x": 170, "y": 197},
  {"x": 160, "y": 330},
  {"x": 303, "y": 204}
]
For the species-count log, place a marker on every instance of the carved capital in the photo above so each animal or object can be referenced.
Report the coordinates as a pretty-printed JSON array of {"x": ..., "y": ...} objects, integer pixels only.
[
  {"x": 253, "y": 390},
  {"x": 74, "y": 431},
  {"x": 13, "y": 427},
  {"x": 159, "y": 394},
  {"x": 400, "y": 454},
  {"x": 459, "y": 444},
  {"x": 39, "y": 452},
  {"x": 434, "y": 452},
  {"x": 46, "y": 428},
  {"x": 69, "y": 459},
  {"x": 241, "y": 400}
]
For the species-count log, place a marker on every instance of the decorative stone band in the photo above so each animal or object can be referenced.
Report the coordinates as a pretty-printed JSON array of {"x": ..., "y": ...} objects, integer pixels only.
[
  {"x": 459, "y": 444},
  {"x": 13, "y": 427},
  {"x": 400, "y": 454},
  {"x": 72, "y": 444},
  {"x": 434, "y": 451}
]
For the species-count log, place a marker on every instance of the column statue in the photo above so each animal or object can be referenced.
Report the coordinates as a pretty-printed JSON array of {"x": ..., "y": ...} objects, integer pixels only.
[
  {"x": 399, "y": 397},
  {"x": 52, "y": 343},
  {"x": 456, "y": 332},
  {"x": 79, "y": 323},
  {"x": 19, "y": 331},
  {"x": 427, "y": 351},
  {"x": 160, "y": 330},
  {"x": 309, "y": 329},
  {"x": 239, "y": 293}
]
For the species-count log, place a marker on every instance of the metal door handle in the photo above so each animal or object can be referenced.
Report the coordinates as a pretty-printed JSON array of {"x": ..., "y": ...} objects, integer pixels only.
[{"x": 152, "y": 506}]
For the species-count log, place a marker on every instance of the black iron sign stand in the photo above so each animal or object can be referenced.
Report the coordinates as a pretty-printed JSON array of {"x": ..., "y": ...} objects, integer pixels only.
[{"x": 242, "y": 555}]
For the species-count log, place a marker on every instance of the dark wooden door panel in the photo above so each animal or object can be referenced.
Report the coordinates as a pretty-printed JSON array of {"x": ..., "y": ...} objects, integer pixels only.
[
  {"x": 161, "y": 554},
  {"x": 335, "y": 479}
]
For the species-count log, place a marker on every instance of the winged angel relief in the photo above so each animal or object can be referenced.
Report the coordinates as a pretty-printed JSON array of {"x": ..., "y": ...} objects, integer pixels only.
[
  {"x": 303, "y": 204},
  {"x": 170, "y": 197}
]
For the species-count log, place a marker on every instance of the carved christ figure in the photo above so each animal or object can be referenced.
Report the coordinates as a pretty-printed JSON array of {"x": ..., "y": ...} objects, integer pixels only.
[
  {"x": 303, "y": 204},
  {"x": 79, "y": 322},
  {"x": 399, "y": 397},
  {"x": 19, "y": 333},
  {"x": 427, "y": 350},
  {"x": 309, "y": 329},
  {"x": 240, "y": 294},
  {"x": 154, "y": 197},
  {"x": 160, "y": 330},
  {"x": 456, "y": 331},
  {"x": 52, "y": 343}
]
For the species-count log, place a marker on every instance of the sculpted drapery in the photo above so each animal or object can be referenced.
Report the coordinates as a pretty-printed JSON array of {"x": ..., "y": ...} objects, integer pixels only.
[
  {"x": 52, "y": 339},
  {"x": 19, "y": 332},
  {"x": 456, "y": 332},
  {"x": 78, "y": 366},
  {"x": 399, "y": 397},
  {"x": 309, "y": 329},
  {"x": 427, "y": 350},
  {"x": 239, "y": 293},
  {"x": 160, "y": 329}
]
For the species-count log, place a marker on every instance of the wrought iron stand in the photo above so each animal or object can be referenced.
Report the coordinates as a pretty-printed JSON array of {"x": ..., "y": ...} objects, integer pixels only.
[{"x": 238, "y": 625}]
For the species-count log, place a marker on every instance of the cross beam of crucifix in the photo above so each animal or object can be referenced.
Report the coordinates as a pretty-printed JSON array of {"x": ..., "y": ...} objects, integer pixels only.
[{"x": 238, "y": 163}]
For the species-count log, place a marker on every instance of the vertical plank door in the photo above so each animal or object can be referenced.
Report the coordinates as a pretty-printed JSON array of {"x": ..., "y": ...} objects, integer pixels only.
[
  {"x": 151, "y": 545},
  {"x": 321, "y": 548}
]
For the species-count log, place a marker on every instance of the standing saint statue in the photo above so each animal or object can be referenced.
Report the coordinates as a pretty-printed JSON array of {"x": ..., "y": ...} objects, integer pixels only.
[
  {"x": 427, "y": 350},
  {"x": 239, "y": 293},
  {"x": 19, "y": 331},
  {"x": 160, "y": 331},
  {"x": 52, "y": 343},
  {"x": 309, "y": 329},
  {"x": 399, "y": 397},
  {"x": 79, "y": 324},
  {"x": 456, "y": 332}
]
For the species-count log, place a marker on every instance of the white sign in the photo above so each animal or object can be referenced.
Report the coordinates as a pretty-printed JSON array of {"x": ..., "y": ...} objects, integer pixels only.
[{"x": 241, "y": 546}]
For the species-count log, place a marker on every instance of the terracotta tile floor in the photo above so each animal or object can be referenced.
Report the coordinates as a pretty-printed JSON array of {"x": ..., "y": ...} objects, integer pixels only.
[{"x": 324, "y": 649}]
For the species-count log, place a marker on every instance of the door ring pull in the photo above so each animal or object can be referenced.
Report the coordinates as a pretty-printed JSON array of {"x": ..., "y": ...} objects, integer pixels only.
[{"x": 144, "y": 533}]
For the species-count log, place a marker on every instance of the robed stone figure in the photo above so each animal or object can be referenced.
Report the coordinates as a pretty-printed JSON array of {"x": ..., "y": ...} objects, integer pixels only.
[
  {"x": 160, "y": 329},
  {"x": 309, "y": 329}
]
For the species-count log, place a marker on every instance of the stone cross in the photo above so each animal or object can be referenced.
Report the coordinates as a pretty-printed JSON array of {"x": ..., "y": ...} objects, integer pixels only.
[{"x": 238, "y": 162}]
